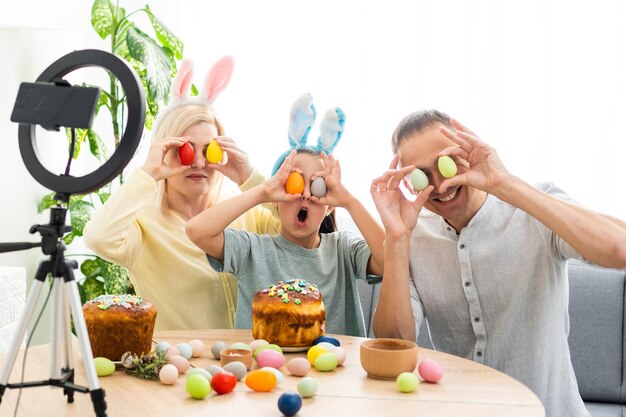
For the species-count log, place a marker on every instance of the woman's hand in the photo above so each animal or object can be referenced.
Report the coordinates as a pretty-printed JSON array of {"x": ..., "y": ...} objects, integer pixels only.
[
  {"x": 155, "y": 164},
  {"x": 398, "y": 214},
  {"x": 237, "y": 166},
  {"x": 486, "y": 172}
]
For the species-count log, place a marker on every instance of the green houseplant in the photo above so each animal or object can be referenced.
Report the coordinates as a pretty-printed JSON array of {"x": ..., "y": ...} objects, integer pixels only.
[{"x": 154, "y": 59}]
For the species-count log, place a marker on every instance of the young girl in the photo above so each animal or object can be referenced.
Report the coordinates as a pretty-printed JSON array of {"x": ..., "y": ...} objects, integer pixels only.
[
  {"x": 142, "y": 225},
  {"x": 331, "y": 261}
]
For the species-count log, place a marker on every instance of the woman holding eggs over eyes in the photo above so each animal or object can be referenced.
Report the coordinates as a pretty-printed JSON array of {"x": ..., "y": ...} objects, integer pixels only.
[{"x": 142, "y": 225}]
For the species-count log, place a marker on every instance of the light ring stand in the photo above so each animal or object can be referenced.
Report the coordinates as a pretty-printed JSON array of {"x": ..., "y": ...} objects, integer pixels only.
[{"x": 135, "y": 98}]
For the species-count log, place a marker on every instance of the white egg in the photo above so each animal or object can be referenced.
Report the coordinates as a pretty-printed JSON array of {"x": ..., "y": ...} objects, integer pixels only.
[
  {"x": 168, "y": 374},
  {"x": 340, "y": 353},
  {"x": 318, "y": 187},
  {"x": 279, "y": 375},
  {"x": 197, "y": 348}
]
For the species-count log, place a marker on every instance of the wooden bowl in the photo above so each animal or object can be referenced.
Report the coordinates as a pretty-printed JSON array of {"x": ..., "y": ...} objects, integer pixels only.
[
  {"x": 236, "y": 355},
  {"x": 388, "y": 358}
]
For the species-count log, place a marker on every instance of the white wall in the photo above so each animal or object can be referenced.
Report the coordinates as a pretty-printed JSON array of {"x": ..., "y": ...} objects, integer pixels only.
[{"x": 544, "y": 82}]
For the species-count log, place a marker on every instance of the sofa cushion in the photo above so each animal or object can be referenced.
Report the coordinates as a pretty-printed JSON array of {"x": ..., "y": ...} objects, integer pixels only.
[
  {"x": 596, "y": 309},
  {"x": 605, "y": 410}
]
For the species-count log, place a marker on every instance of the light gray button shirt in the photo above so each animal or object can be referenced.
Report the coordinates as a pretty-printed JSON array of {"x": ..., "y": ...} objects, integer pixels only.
[{"x": 498, "y": 294}]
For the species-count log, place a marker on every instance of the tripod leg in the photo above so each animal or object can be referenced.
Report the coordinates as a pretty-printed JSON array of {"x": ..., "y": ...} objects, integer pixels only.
[
  {"x": 68, "y": 360},
  {"x": 31, "y": 304},
  {"x": 57, "y": 327},
  {"x": 97, "y": 393}
]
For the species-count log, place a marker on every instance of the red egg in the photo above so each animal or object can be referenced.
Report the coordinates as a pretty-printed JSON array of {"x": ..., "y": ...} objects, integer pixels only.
[
  {"x": 186, "y": 154},
  {"x": 223, "y": 382}
]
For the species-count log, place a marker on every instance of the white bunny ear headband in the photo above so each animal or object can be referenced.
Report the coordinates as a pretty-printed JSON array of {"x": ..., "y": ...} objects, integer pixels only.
[
  {"x": 215, "y": 82},
  {"x": 301, "y": 118}
]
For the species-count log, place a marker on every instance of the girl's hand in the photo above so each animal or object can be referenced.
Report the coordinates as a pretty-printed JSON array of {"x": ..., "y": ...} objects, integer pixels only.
[
  {"x": 155, "y": 164},
  {"x": 237, "y": 166},
  {"x": 336, "y": 194},
  {"x": 274, "y": 188},
  {"x": 399, "y": 215},
  {"x": 486, "y": 172}
]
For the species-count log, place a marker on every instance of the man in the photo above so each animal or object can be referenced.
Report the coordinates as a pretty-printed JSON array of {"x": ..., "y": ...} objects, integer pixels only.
[{"x": 487, "y": 263}]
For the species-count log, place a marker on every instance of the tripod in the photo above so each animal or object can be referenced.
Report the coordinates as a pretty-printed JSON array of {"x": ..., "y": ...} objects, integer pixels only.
[{"x": 61, "y": 364}]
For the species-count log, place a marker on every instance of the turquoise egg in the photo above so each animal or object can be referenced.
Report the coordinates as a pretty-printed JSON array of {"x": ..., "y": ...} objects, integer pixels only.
[{"x": 419, "y": 180}]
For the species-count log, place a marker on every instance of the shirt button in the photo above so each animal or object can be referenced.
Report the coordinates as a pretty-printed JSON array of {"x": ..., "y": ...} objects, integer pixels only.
[
  {"x": 479, "y": 353},
  {"x": 467, "y": 284},
  {"x": 476, "y": 319},
  {"x": 462, "y": 246},
  {"x": 449, "y": 229}
]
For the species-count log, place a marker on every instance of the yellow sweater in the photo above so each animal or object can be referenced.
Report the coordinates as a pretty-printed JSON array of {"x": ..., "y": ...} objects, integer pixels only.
[{"x": 165, "y": 267}]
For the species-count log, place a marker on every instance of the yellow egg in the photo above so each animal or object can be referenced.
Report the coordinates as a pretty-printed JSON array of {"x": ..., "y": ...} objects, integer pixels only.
[
  {"x": 314, "y": 352},
  {"x": 214, "y": 153},
  {"x": 294, "y": 183},
  {"x": 447, "y": 167}
]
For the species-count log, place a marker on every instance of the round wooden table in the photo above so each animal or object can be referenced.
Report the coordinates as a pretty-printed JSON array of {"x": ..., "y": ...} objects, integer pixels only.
[{"x": 467, "y": 388}]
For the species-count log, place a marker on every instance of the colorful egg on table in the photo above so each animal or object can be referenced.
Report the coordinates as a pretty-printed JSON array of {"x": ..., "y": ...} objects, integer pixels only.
[
  {"x": 340, "y": 353},
  {"x": 307, "y": 387},
  {"x": 298, "y": 366},
  {"x": 104, "y": 366},
  {"x": 162, "y": 347},
  {"x": 271, "y": 346},
  {"x": 314, "y": 352},
  {"x": 279, "y": 375},
  {"x": 197, "y": 386},
  {"x": 185, "y": 350},
  {"x": 447, "y": 166},
  {"x": 289, "y": 403},
  {"x": 430, "y": 370},
  {"x": 419, "y": 180},
  {"x": 236, "y": 368},
  {"x": 261, "y": 381},
  {"x": 197, "y": 348},
  {"x": 240, "y": 345},
  {"x": 270, "y": 358},
  {"x": 326, "y": 362},
  {"x": 223, "y": 382},
  {"x": 168, "y": 375},
  {"x": 202, "y": 372},
  {"x": 407, "y": 382},
  {"x": 179, "y": 362},
  {"x": 257, "y": 343},
  {"x": 171, "y": 351},
  {"x": 217, "y": 347},
  {"x": 326, "y": 345},
  {"x": 328, "y": 339},
  {"x": 213, "y": 369}
]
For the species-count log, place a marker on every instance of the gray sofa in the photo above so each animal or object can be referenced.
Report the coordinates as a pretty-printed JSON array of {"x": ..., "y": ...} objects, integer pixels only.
[{"x": 597, "y": 334}]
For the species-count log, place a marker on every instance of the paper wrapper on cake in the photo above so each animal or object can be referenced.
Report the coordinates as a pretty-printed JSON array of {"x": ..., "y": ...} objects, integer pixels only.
[
  {"x": 289, "y": 314},
  {"x": 119, "y": 323}
]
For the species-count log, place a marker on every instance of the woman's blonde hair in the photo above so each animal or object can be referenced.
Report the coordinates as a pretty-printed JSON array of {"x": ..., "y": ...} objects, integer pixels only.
[{"x": 173, "y": 124}]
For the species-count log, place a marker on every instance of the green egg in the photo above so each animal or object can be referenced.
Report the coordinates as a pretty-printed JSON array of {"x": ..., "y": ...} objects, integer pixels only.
[
  {"x": 270, "y": 346},
  {"x": 197, "y": 386},
  {"x": 407, "y": 382},
  {"x": 419, "y": 180},
  {"x": 307, "y": 387},
  {"x": 326, "y": 362},
  {"x": 104, "y": 366},
  {"x": 447, "y": 167},
  {"x": 240, "y": 345}
]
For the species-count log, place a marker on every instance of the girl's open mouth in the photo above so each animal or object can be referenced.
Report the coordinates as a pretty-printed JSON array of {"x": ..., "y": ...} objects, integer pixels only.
[{"x": 303, "y": 215}]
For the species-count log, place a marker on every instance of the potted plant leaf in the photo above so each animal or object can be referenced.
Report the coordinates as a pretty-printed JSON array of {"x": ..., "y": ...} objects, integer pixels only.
[{"x": 154, "y": 58}]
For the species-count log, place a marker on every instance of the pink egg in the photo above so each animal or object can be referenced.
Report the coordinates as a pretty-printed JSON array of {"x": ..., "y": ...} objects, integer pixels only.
[
  {"x": 179, "y": 362},
  {"x": 173, "y": 350},
  {"x": 270, "y": 358},
  {"x": 168, "y": 374},
  {"x": 430, "y": 370},
  {"x": 197, "y": 348},
  {"x": 299, "y": 366},
  {"x": 340, "y": 353}
]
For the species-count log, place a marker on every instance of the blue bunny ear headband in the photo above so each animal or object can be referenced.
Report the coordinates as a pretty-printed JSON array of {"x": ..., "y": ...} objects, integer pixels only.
[{"x": 301, "y": 118}]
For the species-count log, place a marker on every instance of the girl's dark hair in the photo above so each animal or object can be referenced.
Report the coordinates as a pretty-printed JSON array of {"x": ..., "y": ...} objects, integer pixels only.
[
  {"x": 329, "y": 224},
  {"x": 416, "y": 122}
]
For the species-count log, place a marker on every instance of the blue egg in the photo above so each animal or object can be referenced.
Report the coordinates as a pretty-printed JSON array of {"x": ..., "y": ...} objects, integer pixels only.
[
  {"x": 289, "y": 403},
  {"x": 327, "y": 339}
]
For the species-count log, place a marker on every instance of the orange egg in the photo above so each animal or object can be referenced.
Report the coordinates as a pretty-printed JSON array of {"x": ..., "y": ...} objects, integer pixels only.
[
  {"x": 261, "y": 381},
  {"x": 294, "y": 183}
]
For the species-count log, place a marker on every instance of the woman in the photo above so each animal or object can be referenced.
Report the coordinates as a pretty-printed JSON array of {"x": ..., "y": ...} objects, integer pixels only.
[{"x": 142, "y": 226}]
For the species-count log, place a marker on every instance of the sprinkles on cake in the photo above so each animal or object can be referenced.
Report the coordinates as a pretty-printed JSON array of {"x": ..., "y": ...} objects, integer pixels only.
[
  {"x": 106, "y": 301},
  {"x": 282, "y": 289}
]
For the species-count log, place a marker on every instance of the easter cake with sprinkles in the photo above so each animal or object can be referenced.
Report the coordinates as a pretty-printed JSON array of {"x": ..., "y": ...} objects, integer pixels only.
[
  {"x": 119, "y": 323},
  {"x": 290, "y": 314}
]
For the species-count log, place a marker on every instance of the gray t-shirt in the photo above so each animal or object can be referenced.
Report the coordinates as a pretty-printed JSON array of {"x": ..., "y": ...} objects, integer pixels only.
[
  {"x": 260, "y": 261},
  {"x": 498, "y": 294}
]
